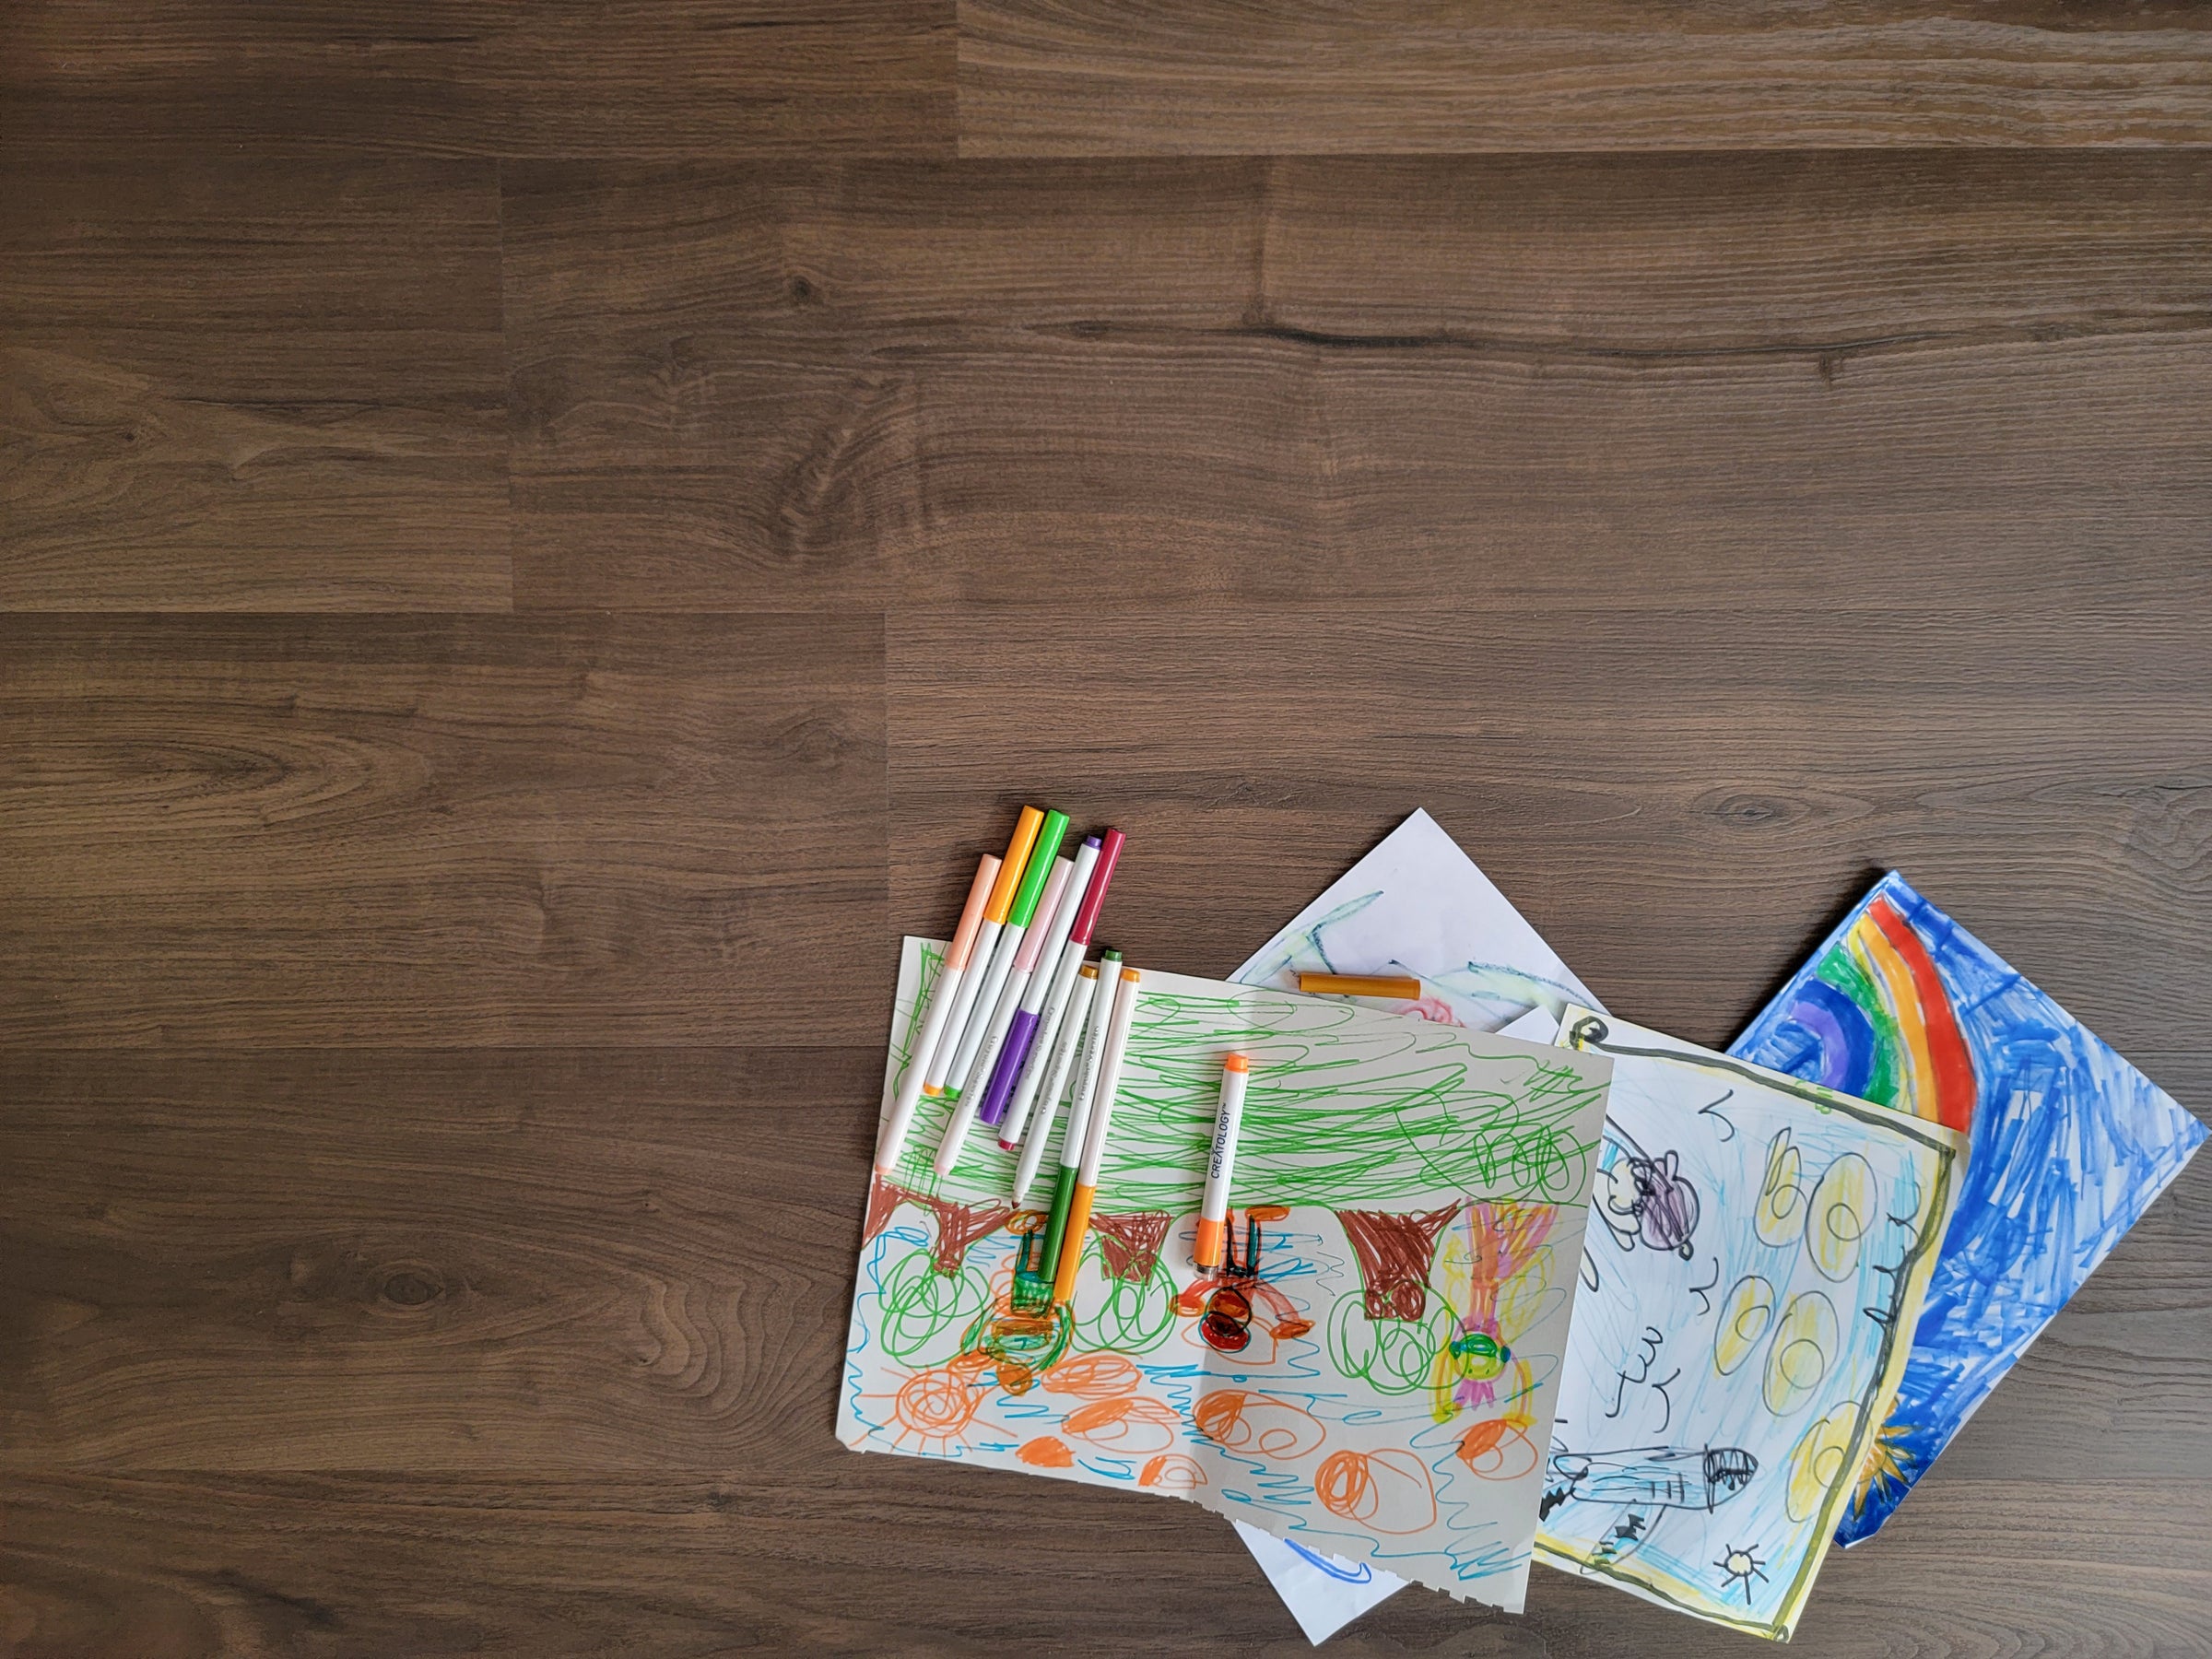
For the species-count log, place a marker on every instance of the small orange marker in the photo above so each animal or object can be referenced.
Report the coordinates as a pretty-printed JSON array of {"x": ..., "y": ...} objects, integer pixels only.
[
  {"x": 1213, "y": 1214},
  {"x": 1360, "y": 984}
]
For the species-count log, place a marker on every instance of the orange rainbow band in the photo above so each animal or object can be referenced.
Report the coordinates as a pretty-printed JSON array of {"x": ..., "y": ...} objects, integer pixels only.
[{"x": 1360, "y": 984}]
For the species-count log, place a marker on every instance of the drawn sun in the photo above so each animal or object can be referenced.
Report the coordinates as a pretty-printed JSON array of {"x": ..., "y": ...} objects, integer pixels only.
[
  {"x": 1889, "y": 1463},
  {"x": 1741, "y": 1566}
]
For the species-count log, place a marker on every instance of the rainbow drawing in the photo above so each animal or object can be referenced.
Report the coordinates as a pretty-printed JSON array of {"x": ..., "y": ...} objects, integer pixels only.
[{"x": 2069, "y": 1146}]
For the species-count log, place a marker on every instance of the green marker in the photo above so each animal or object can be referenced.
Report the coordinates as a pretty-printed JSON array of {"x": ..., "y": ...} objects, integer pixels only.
[
  {"x": 1034, "y": 876},
  {"x": 1078, "y": 1109}
]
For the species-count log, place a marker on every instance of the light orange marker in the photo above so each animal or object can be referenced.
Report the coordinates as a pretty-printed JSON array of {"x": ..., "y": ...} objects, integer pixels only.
[
  {"x": 980, "y": 954},
  {"x": 1360, "y": 984},
  {"x": 1094, "y": 1144},
  {"x": 893, "y": 1137},
  {"x": 1213, "y": 1214}
]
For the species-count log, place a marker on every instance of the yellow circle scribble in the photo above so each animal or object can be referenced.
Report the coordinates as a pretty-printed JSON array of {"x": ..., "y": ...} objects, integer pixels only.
[
  {"x": 1802, "y": 1350},
  {"x": 1840, "y": 1212},
  {"x": 1745, "y": 1313},
  {"x": 1820, "y": 1461},
  {"x": 1781, "y": 1214}
]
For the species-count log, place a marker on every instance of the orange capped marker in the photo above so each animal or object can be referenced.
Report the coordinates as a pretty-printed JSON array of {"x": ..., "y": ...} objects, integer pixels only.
[{"x": 1213, "y": 1214}]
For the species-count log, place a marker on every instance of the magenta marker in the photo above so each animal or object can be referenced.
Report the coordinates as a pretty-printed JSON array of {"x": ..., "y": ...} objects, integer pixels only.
[{"x": 1007, "y": 1071}]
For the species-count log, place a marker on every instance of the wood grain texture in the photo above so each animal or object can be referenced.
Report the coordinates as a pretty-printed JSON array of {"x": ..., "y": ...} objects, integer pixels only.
[
  {"x": 482, "y": 77},
  {"x": 878, "y": 1554},
  {"x": 1681, "y": 805},
  {"x": 439, "y": 1051},
  {"x": 1223, "y": 76},
  {"x": 1874, "y": 380},
  {"x": 271, "y": 831},
  {"x": 235, "y": 387}
]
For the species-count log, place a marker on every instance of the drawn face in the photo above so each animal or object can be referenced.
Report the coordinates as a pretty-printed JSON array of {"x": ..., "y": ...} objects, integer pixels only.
[
  {"x": 1648, "y": 1201},
  {"x": 1479, "y": 1358}
]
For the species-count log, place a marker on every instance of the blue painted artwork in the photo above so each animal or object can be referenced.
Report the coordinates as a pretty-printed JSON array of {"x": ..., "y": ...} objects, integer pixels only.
[{"x": 2070, "y": 1145}]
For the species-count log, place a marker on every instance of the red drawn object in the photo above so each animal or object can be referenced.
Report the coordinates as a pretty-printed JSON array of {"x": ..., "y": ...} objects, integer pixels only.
[
  {"x": 1393, "y": 1252},
  {"x": 1227, "y": 1301}
]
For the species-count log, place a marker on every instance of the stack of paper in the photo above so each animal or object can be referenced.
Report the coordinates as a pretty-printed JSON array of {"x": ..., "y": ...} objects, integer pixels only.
[{"x": 1516, "y": 1279}]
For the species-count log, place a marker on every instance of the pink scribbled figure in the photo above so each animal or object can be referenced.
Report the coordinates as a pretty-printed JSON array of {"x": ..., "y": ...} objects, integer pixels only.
[
  {"x": 1501, "y": 1238},
  {"x": 1433, "y": 1009}
]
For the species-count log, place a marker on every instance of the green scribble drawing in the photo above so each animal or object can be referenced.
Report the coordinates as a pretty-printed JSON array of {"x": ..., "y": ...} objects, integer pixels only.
[{"x": 1343, "y": 1112}]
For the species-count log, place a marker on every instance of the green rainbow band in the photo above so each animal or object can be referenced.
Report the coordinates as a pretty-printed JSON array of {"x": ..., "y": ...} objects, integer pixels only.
[{"x": 1049, "y": 837}]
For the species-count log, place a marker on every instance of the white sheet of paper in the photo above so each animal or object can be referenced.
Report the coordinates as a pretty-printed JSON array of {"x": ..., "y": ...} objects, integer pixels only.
[
  {"x": 1372, "y": 1377},
  {"x": 1751, "y": 1284},
  {"x": 1416, "y": 904},
  {"x": 1325, "y": 1593}
]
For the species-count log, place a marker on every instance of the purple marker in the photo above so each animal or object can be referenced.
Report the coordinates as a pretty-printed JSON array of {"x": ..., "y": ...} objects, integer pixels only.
[{"x": 1049, "y": 942}]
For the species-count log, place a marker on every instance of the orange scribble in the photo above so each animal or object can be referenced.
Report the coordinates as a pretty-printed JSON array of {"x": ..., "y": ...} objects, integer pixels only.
[
  {"x": 1386, "y": 1491},
  {"x": 1097, "y": 1376},
  {"x": 938, "y": 1404},
  {"x": 1132, "y": 1424},
  {"x": 1497, "y": 1449},
  {"x": 1046, "y": 1451},
  {"x": 1172, "y": 1472},
  {"x": 1257, "y": 1425}
]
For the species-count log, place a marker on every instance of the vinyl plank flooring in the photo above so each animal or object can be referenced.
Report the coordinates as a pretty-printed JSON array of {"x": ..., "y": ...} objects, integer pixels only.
[
  {"x": 252, "y": 387},
  {"x": 1682, "y": 804},
  {"x": 484, "y": 77},
  {"x": 873, "y": 1556},
  {"x": 1219, "y": 77},
  {"x": 563, "y": 1262},
  {"x": 1884, "y": 382},
  {"x": 361, "y": 831}
]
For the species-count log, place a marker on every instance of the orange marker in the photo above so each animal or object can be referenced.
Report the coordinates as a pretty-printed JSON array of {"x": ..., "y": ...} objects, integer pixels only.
[
  {"x": 1213, "y": 1214},
  {"x": 1360, "y": 984},
  {"x": 981, "y": 950},
  {"x": 1094, "y": 1144}
]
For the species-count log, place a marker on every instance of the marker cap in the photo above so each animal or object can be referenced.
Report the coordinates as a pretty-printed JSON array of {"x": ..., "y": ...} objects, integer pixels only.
[
  {"x": 1236, "y": 1062},
  {"x": 1050, "y": 834},
  {"x": 1094, "y": 898},
  {"x": 1010, "y": 868},
  {"x": 972, "y": 913}
]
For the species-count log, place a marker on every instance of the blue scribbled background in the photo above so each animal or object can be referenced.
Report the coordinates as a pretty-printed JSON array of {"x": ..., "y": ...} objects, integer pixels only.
[{"x": 2070, "y": 1145}]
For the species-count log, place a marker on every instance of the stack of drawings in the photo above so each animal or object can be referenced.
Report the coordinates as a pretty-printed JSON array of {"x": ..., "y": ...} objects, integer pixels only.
[{"x": 1510, "y": 1278}]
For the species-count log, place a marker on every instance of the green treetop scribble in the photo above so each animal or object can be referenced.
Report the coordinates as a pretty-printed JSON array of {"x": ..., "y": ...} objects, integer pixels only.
[{"x": 1345, "y": 1112}]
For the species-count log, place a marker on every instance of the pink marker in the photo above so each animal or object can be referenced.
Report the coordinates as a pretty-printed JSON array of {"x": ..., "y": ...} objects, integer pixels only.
[{"x": 942, "y": 995}]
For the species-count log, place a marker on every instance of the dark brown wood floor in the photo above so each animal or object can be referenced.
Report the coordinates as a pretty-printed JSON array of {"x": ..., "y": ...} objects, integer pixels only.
[{"x": 539, "y": 537}]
